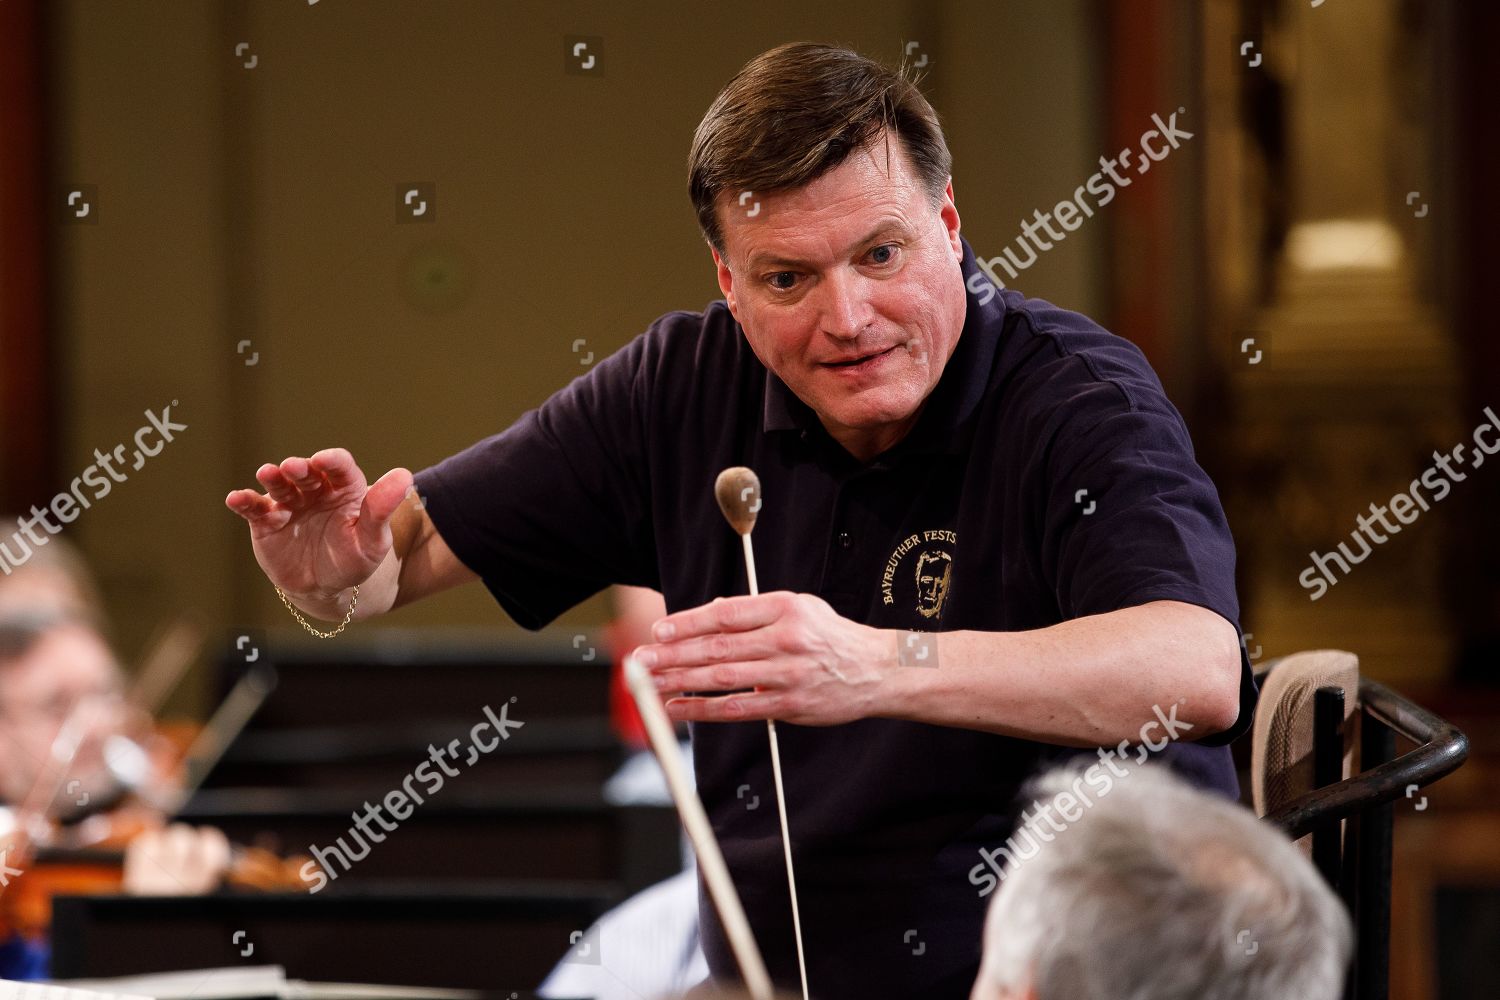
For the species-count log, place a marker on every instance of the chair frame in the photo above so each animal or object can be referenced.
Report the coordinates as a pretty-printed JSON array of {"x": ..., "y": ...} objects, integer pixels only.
[{"x": 1358, "y": 865}]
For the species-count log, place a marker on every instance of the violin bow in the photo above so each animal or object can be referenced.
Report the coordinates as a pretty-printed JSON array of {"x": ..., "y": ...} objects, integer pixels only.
[{"x": 695, "y": 820}]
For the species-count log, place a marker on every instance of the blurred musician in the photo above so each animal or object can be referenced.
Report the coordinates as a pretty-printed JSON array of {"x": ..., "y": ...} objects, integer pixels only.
[{"x": 80, "y": 767}]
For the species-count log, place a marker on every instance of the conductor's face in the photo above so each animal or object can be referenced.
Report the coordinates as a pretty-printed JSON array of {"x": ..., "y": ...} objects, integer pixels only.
[{"x": 850, "y": 290}]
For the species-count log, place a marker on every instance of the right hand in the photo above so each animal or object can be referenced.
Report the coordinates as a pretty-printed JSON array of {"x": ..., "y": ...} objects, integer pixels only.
[{"x": 319, "y": 528}]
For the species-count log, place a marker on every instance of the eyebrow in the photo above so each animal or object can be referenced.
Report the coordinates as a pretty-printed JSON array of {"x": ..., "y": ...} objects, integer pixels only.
[{"x": 763, "y": 259}]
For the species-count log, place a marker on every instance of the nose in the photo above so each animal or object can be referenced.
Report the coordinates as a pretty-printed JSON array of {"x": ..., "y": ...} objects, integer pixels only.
[
  {"x": 93, "y": 718},
  {"x": 93, "y": 722},
  {"x": 845, "y": 309}
]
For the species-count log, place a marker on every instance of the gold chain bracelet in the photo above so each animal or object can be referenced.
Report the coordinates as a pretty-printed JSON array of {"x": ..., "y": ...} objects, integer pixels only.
[{"x": 353, "y": 600}]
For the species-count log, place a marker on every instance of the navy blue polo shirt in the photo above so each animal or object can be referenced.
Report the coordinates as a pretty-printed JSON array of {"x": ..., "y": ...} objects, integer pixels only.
[{"x": 975, "y": 520}]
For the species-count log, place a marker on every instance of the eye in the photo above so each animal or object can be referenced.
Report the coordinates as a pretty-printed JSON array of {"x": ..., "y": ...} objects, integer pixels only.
[
  {"x": 774, "y": 282},
  {"x": 884, "y": 254}
]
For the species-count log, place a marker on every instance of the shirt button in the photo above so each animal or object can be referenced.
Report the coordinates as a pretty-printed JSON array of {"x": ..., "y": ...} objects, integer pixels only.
[{"x": 844, "y": 540}]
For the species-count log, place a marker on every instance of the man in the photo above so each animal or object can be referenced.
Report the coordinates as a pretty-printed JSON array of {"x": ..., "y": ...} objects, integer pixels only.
[
  {"x": 895, "y": 405},
  {"x": 62, "y": 691},
  {"x": 1158, "y": 890},
  {"x": 55, "y": 578},
  {"x": 55, "y": 670}
]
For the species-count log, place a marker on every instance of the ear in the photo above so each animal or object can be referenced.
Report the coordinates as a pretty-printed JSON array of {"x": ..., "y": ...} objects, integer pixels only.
[
  {"x": 726, "y": 282},
  {"x": 948, "y": 212}
]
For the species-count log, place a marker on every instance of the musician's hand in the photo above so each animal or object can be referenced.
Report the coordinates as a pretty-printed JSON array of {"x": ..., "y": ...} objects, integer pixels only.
[
  {"x": 319, "y": 528},
  {"x": 808, "y": 665},
  {"x": 178, "y": 861}
]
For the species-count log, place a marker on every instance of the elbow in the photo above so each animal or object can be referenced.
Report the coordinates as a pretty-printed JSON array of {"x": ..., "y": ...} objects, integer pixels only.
[
  {"x": 1209, "y": 657},
  {"x": 1220, "y": 704},
  {"x": 1223, "y": 713}
]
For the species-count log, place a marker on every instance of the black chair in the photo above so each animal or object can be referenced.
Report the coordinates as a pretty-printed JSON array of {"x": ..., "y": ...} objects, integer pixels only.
[{"x": 1350, "y": 816}]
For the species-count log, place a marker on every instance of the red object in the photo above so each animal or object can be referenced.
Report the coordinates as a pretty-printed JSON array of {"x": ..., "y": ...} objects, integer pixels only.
[
  {"x": 624, "y": 718},
  {"x": 29, "y": 438}
]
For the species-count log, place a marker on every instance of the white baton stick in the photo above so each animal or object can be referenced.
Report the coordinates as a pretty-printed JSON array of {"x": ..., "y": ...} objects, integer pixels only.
[{"x": 738, "y": 491}]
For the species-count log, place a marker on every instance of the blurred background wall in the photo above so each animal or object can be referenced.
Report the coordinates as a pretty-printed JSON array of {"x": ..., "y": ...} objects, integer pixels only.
[{"x": 246, "y": 159}]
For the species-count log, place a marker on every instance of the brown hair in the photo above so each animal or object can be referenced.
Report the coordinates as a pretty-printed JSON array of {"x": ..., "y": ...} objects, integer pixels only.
[
  {"x": 798, "y": 110},
  {"x": 54, "y": 577}
]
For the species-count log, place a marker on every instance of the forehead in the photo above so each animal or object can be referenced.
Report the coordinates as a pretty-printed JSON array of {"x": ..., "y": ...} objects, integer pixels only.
[{"x": 873, "y": 191}]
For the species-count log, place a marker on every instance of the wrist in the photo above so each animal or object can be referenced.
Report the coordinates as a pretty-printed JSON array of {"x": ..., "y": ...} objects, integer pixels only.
[
  {"x": 317, "y": 611},
  {"x": 908, "y": 663},
  {"x": 329, "y": 604},
  {"x": 883, "y": 656}
]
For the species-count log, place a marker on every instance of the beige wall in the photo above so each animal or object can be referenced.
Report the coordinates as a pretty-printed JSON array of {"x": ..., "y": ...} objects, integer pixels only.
[
  {"x": 1018, "y": 86},
  {"x": 259, "y": 204},
  {"x": 141, "y": 301}
]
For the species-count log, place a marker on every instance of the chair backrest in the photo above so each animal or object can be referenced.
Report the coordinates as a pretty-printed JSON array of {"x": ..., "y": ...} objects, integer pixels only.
[{"x": 1281, "y": 760}]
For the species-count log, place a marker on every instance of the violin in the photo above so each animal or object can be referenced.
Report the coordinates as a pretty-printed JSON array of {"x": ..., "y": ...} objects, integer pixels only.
[
  {"x": 48, "y": 872},
  {"x": 117, "y": 838}
]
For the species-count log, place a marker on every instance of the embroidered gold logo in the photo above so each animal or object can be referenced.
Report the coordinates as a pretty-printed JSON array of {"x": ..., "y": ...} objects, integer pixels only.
[{"x": 928, "y": 559}]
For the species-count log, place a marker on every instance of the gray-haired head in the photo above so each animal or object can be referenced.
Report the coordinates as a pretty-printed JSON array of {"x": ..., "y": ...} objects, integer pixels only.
[{"x": 1160, "y": 891}]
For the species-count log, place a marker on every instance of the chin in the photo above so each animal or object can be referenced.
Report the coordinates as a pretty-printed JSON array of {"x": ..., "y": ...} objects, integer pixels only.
[
  {"x": 886, "y": 404},
  {"x": 870, "y": 417}
]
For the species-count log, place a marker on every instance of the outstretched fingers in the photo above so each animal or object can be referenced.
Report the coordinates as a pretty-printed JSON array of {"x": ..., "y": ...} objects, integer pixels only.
[
  {"x": 308, "y": 480},
  {"x": 338, "y": 467},
  {"x": 289, "y": 486},
  {"x": 278, "y": 486},
  {"x": 249, "y": 504}
]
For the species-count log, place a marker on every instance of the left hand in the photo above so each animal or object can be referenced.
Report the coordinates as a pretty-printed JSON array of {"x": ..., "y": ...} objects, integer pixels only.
[
  {"x": 179, "y": 861},
  {"x": 808, "y": 665}
]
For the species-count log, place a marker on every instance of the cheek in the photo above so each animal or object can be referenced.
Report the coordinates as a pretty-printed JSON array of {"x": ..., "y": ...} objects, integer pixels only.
[
  {"x": 39, "y": 736},
  {"x": 913, "y": 309},
  {"x": 780, "y": 338}
]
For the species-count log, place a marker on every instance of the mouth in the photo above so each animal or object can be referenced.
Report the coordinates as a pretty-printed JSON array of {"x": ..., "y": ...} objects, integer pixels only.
[{"x": 861, "y": 363}]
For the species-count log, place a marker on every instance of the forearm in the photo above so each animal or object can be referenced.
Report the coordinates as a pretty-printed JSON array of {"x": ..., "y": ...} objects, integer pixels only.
[{"x": 1086, "y": 682}]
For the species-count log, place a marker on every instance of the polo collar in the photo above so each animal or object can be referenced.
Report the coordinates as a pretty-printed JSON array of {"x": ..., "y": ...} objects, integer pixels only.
[{"x": 946, "y": 424}]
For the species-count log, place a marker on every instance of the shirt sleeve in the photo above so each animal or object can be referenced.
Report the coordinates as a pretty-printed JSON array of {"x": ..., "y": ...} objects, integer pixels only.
[
  {"x": 1131, "y": 517},
  {"x": 556, "y": 507}
]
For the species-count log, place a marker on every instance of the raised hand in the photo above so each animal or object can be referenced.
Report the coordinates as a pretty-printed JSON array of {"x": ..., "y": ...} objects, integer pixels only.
[{"x": 319, "y": 528}]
